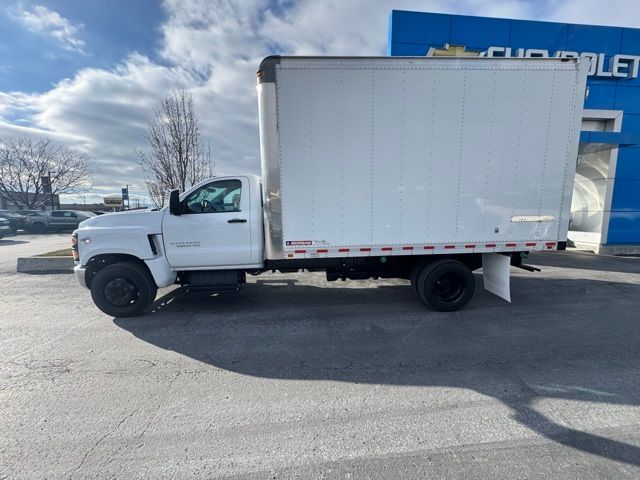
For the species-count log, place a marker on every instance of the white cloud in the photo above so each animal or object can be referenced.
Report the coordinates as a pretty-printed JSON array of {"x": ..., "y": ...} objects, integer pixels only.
[
  {"x": 101, "y": 112},
  {"x": 41, "y": 20},
  {"x": 213, "y": 49}
]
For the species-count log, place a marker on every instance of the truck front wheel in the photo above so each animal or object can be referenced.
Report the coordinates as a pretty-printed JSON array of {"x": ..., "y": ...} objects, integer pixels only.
[
  {"x": 123, "y": 289},
  {"x": 445, "y": 285}
]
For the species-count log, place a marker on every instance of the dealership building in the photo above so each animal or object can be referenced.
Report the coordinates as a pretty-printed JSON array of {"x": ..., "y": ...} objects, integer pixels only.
[{"x": 606, "y": 197}]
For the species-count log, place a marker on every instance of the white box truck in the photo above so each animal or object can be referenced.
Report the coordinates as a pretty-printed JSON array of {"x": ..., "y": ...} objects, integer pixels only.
[{"x": 416, "y": 168}]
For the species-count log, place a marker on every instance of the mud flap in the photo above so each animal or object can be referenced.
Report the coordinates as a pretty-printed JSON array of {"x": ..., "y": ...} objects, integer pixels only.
[{"x": 495, "y": 272}]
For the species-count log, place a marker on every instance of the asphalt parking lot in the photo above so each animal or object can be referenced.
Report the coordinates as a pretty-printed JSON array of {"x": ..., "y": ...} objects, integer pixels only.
[{"x": 294, "y": 377}]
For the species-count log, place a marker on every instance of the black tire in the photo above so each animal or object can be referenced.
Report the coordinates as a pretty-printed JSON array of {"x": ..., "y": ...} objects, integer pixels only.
[
  {"x": 123, "y": 289},
  {"x": 446, "y": 285},
  {"x": 39, "y": 227}
]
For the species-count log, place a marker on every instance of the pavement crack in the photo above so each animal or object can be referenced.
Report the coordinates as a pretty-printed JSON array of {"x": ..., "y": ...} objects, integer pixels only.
[
  {"x": 100, "y": 440},
  {"x": 157, "y": 408}
]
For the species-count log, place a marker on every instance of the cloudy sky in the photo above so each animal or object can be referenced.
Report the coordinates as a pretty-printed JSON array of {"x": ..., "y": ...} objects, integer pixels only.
[{"x": 88, "y": 73}]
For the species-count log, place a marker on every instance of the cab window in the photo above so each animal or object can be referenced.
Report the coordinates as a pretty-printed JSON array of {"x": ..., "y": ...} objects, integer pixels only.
[{"x": 215, "y": 197}]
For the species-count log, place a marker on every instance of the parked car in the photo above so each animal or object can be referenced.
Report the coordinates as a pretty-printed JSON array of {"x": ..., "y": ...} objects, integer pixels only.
[
  {"x": 42, "y": 222},
  {"x": 16, "y": 221},
  {"x": 5, "y": 227}
]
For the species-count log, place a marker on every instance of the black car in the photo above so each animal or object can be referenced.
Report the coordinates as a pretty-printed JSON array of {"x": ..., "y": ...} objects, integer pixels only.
[{"x": 16, "y": 221}]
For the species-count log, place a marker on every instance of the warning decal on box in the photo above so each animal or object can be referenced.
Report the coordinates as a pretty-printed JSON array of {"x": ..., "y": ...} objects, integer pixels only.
[{"x": 299, "y": 243}]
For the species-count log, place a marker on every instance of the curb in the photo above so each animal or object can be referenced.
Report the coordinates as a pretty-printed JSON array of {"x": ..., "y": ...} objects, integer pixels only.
[{"x": 44, "y": 264}]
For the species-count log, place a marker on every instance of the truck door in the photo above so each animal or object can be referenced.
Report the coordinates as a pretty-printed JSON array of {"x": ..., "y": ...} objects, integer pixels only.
[{"x": 214, "y": 229}]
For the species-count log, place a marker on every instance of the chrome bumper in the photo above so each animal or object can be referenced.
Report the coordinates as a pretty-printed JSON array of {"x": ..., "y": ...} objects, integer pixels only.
[{"x": 79, "y": 271}]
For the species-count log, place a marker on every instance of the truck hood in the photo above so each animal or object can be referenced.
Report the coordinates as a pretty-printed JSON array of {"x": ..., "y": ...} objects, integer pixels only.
[{"x": 148, "y": 220}]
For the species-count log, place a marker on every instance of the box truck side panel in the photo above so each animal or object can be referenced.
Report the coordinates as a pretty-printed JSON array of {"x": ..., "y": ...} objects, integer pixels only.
[
  {"x": 421, "y": 155},
  {"x": 355, "y": 164}
]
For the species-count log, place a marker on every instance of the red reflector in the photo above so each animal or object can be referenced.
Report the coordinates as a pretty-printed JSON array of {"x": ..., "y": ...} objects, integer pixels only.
[
  {"x": 407, "y": 248},
  {"x": 429, "y": 247},
  {"x": 365, "y": 249},
  {"x": 550, "y": 244},
  {"x": 470, "y": 246},
  {"x": 343, "y": 249},
  {"x": 386, "y": 249},
  {"x": 511, "y": 244},
  {"x": 449, "y": 246},
  {"x": 300, "y": 251},
  {"x": 549, "y": 247},
  {"x": 289, "y": 255},
  {"x": 322, "y": 250},
  {"x": 530, "y": 244},
  {"x": 490, "y": 245}
]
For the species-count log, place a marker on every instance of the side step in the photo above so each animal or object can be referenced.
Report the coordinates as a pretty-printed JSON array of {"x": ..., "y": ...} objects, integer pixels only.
[{"x": 213, "y": 280}]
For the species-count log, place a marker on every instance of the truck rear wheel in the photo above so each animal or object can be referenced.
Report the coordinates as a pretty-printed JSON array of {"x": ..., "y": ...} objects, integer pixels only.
[
  {"x": 123, "y": 289},
  {"x": 445, "y": 285}
]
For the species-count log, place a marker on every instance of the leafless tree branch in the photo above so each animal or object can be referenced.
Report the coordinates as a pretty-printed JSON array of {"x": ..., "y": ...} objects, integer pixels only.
[
  {"x": 24, "y": 161},
  {"x": 177, "y": 157}
]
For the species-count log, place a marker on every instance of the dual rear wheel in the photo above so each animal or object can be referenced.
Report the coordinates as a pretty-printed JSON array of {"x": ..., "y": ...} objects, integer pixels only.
[{"x": 445, "y": 285}]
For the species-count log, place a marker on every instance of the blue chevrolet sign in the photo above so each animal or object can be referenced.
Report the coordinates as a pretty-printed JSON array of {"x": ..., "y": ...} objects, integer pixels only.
[{"x": 608, "y": 169}]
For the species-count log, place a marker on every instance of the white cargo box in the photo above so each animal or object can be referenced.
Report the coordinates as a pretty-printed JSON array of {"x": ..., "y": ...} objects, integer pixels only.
[{"x": 397, "y": 156}]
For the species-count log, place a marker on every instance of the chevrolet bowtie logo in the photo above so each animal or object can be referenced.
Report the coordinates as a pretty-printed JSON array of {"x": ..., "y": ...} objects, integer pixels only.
[{"x": 452, "y": 51}]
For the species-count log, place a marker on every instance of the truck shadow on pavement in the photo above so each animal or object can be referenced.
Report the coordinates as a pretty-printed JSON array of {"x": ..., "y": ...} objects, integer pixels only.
[{"x": 570, "y": 339}]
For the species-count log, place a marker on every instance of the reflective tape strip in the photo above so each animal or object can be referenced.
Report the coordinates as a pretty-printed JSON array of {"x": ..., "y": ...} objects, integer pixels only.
[{"x": 432, "y": 249}]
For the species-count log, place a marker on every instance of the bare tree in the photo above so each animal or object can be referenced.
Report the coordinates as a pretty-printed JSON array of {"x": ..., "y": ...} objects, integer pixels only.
[
  {"x": 157, "y": 193},
  {"x": 26, "y": 161},
  {"x": 177, "y": 157}
]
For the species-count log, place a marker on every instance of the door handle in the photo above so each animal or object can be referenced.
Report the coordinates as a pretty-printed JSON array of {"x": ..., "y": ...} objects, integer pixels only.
[{"x": 237, "y": 220}]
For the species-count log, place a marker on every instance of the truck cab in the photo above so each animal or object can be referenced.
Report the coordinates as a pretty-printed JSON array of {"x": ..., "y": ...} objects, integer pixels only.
[
  {"x": 218, "y": 225},
  {"x": 212, "y": 234}
]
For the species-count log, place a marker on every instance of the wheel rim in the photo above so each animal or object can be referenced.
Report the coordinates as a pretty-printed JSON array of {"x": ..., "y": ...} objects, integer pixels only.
[
  {"x": 448, "y": 287},
  {"x": 120, "y": 292}
]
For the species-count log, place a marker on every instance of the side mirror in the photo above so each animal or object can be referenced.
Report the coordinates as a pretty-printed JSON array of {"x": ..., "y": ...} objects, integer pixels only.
[{"x": 174, "y": 202}]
